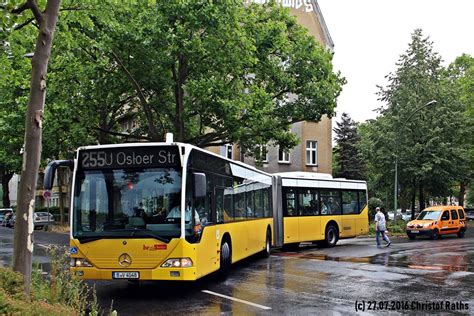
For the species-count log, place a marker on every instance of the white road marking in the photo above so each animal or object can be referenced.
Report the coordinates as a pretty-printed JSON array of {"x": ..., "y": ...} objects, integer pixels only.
[{"x": 237, "y": 300}]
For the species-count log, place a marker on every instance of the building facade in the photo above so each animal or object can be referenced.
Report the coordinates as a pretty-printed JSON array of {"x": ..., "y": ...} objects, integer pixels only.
[{"x": 314, "y": 151}]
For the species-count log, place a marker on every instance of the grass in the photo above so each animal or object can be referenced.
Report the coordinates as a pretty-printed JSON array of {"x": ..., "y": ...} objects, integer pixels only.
[
  {"x": 393, "y": 230},
  {"x": 58, "y": 293},
  {"x": 58, "y": 228}
]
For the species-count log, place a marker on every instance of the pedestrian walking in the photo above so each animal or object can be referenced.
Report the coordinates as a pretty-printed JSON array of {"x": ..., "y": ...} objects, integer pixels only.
[{"x": 380, "y": 228}]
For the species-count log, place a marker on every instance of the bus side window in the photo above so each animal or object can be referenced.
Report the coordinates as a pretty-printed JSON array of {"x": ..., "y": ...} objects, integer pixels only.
[
  {"x": 249, "y": 200},
  {"x": 349, "y": 202},
  {"x": 362, "y": 200},
  {"x": 258, "y": 203},
  {"x": 290, "y": 197},
  {"x": 267, "y": 206}
]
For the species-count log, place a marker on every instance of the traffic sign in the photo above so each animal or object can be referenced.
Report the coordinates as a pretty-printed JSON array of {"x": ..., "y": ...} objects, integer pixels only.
[{"x": 47, "y": 194}]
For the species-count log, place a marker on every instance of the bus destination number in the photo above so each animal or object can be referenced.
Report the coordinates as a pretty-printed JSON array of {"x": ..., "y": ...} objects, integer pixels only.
[{"x": 117, "y": 159}]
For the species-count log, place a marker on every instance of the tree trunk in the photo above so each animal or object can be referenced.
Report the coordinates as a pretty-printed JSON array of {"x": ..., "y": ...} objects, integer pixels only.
[
  {"x": 23, "y": 243},
  {"x": 462, "y": 192},
  {"x": 421, "y": 198},
  {"x": 413, "y": 200},
  {"x": 6, "y": 177}
]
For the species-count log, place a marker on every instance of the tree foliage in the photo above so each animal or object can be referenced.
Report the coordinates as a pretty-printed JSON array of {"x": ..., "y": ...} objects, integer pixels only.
[
  {"x": 349, "y": 163},
  {"x": 211, "y": 73},
  {"x": 425, "y": 141}
]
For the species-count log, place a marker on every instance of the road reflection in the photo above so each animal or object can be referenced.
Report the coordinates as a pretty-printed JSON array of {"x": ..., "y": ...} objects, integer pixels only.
[{"x": 450, "y": 257}]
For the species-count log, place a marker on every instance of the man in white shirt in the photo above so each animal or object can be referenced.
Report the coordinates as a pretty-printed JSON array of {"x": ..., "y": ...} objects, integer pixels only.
[{"x": 380, "y": 228}]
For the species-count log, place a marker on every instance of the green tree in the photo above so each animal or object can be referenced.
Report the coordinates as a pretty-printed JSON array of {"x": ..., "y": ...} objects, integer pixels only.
[
  {"x": 14, "y": 87},
  {"x": 349, "y": 161},
  {"x": 424, "y": 141},
  {"x": 460, "y": 80},
  {"x": 210, "y": 72}
]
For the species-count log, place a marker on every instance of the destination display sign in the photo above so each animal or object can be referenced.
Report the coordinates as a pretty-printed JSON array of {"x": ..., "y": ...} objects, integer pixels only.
[{"x": 129, "y": 157}]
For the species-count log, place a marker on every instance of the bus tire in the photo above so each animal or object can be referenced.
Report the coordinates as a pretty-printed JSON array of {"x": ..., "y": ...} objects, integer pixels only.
[
  {"x": 268, "y": 245},
  {"x": 226, "y": 258},
  {"x": 435, "y": 234},
  {"x": 331, "y": 236}
]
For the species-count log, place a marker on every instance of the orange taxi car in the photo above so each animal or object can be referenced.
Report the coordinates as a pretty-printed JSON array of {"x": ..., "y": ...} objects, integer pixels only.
[{"x": 438, "y": 220}]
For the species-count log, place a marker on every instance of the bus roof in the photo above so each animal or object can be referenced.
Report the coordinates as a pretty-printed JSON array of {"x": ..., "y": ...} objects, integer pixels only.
[{"x": 319, "y": 180}]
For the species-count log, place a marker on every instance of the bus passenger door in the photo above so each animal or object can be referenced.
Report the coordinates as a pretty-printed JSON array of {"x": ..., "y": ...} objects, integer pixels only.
[
  {"x": 290, "y": 217},
  {"x": 207, "y": 251},
  {"x": 208, "y": 246}
]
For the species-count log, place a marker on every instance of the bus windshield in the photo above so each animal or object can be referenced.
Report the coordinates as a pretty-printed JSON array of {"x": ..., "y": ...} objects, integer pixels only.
[{"x": 135, "y": 202}]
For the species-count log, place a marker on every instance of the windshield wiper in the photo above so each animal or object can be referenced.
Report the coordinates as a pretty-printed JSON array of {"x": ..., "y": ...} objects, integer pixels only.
[
  {"x": 139, "y": 232},
  {"x": 84, "y": 240}
]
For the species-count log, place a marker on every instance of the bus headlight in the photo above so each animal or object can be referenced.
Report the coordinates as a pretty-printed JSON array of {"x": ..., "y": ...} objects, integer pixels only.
[
  {"x": 80, "y": 262},
  {"x": 178, "y": 263}
]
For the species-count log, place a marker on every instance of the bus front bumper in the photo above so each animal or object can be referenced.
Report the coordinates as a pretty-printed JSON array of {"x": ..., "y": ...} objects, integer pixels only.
[{"x": 168, "y": 274}]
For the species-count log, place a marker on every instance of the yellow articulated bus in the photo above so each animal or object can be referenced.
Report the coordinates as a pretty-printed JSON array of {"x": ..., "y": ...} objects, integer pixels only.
[
  {"x": 163, "y": 211},
  {"x": 314, "y": 207}
]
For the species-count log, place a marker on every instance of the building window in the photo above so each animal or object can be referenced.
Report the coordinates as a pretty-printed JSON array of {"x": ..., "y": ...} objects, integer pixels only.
[
  {"x": 283, "y": 156},
  {"x": 262, "y": 154},
  {"x": 311, "y": 152},
  {"x": 229, "y": 151}
]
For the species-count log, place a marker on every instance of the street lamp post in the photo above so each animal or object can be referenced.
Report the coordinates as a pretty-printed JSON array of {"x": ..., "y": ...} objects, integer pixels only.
[{"x": 395, "y": 191}]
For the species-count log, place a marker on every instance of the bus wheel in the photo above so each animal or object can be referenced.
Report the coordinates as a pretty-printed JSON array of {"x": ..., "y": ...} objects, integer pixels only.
[
  {"x": 435, "y": 234},
  {"x": 461, "y": 233},
  {"x": 268, "y": 245},
  {"x": 331, "y": 237},
  {"x": 226, "y": 260}
]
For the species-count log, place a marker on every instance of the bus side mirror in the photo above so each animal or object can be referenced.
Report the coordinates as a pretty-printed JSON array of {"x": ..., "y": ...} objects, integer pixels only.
[
  {"x": 50, "y": 171},
  {"x": 199, "y": 184}
]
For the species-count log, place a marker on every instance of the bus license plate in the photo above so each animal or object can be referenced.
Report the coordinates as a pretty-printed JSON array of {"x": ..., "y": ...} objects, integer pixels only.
[
  {"x": 414, "y": 232},
  {"x": 125, "y": 275}
]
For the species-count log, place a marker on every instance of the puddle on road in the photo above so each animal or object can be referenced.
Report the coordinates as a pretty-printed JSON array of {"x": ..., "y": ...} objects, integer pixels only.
[{"x": 452, "y": 262}]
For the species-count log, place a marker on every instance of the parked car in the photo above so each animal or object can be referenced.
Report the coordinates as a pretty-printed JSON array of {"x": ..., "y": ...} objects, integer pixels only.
[
  {"x": 42, "y": 219},
  {"x": 5, "y": 214},
  {"x": 406, "y": 216},
  {"x": 439, "y": 220},
  {"x": 469, "y": 213}
]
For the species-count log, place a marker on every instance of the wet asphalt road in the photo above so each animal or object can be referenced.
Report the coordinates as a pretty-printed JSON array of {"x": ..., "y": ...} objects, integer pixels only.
[{"x": 410, "y": 277}]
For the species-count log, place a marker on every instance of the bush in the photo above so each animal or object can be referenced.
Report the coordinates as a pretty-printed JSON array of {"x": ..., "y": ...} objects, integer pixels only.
[
  {"x": 11, "y": 282},
  {"x": 58, "y": 293}
]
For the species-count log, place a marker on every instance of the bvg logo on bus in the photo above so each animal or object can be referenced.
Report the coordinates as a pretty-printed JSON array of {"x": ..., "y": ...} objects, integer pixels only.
[
  {"x": 154, "y": 247},
  {"x": 125, "y": 260}
]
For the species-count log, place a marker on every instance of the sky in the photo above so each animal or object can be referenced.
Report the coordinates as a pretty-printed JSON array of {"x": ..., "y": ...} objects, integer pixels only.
[{"x": 370, "y": 35}]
